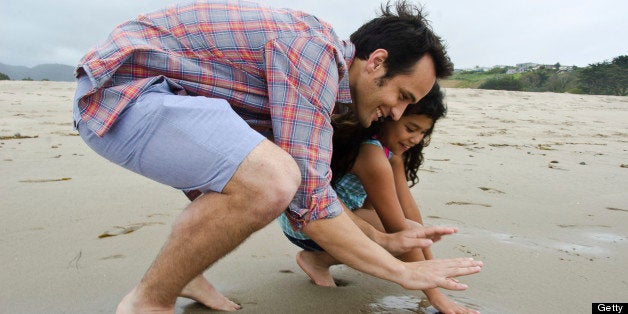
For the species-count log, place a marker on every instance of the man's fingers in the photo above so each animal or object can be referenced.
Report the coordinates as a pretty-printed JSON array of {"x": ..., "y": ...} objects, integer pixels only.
[
  {"x": 463, "y": 271},
  {"x": 462, "y": 267},
  {"x": 459, "y": 267},
  {"x": 450, "y": 284}
]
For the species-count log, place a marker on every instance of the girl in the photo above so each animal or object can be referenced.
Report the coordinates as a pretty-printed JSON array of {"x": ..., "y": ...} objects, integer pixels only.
[{"x": 371, "y": 170}]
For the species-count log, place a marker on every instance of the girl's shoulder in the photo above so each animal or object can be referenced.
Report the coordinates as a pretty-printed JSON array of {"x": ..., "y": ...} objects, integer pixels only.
[
  {"x": 376, "y": 142},
  {"x": 373, "y": 141}
]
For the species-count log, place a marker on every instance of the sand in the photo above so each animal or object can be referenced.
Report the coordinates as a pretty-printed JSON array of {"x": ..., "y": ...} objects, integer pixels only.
[{"x": 536, "y": 182}]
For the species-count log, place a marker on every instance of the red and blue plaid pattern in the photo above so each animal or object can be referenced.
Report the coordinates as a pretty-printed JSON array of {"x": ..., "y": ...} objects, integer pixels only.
[{"x": 280, "y": 70}]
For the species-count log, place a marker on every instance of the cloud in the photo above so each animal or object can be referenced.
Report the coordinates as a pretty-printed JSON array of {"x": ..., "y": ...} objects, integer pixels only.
[{"x": 481, "y": 32}]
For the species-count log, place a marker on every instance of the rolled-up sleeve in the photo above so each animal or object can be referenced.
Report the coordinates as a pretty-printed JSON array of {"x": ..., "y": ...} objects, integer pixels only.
[{"x": 302, "y": 76}]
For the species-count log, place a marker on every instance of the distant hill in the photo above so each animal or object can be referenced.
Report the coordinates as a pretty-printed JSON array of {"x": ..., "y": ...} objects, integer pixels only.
[{"x": 52, "y": 72}]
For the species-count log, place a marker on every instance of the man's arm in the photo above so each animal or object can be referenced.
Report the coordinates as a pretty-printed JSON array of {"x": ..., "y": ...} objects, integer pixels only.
[
  {"x": 341, "y": 238},
  {"x": 302, "y": 78}
]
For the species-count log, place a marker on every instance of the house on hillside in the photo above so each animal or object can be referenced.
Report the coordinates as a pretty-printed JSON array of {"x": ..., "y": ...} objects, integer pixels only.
[{"x": 525, "y": 67}]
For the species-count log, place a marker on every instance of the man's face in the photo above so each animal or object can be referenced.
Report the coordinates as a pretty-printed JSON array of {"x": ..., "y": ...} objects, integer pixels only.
[{"x": 375, "y": 98}]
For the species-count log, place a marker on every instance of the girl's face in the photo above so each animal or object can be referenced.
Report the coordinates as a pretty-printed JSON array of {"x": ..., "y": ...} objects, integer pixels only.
[{"x": 399, "y": 136}]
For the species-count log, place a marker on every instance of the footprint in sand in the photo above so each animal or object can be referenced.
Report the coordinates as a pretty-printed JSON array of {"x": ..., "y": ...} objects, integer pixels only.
[
  {"x": 504, "y": 145},
  {"x": 553, "y": 165},
  {"x": 617, "y": 209},
  {"x": 17, "y": 136},
  {"x": 491, "y": 190},
  {"x": 117, "y": 230},
  {"x": 116, "y": 256},
  {"x": 466, "y": 203},
  {"x": 465, "y": 250},
  {"x": 44, "y": 180},
  {"x": 341, "y": 282},
  {"x": 463, "y": 144}
]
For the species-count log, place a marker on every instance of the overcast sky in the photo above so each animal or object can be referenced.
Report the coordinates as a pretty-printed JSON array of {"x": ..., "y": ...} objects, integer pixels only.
[{"x": 477, "y": 33}]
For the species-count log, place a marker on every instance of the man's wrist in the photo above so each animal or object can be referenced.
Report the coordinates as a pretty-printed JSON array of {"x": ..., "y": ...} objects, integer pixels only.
[{"x": 399, "y": 271}]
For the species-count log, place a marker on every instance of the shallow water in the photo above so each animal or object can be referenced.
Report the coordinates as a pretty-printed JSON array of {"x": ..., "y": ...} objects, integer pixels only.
[
  {"x": 401, "y": 304},
  {"x": 409, "y": 304}
]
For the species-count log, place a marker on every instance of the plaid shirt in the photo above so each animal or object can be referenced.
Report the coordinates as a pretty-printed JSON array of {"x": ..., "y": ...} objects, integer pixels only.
[
  {"x": 280, "y": 70},
  {"x": 349, "y": 189}
]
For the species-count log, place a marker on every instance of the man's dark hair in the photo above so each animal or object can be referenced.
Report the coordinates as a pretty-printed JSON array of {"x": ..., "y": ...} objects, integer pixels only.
[{"x": 406, "y": 35}]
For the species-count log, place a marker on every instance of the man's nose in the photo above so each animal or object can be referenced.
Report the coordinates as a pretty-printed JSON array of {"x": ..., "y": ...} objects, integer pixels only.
[{"x": 397, "y": 111}]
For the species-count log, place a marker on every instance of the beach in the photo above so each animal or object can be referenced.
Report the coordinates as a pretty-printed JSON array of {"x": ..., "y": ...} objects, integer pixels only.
[{"x": 535, "y": 182}]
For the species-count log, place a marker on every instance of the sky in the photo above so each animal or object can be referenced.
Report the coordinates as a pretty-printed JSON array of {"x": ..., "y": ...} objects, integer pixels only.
[{"x": 481, "y": 33}]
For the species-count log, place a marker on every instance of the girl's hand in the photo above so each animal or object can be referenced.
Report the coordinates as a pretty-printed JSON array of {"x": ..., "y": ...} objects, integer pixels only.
[
  {"x": 417, "y": 237},
  {"x": 433, "y": 233}
]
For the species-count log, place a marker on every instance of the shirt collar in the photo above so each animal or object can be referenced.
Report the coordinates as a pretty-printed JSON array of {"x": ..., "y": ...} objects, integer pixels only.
[{"x": 344, "y": 94}]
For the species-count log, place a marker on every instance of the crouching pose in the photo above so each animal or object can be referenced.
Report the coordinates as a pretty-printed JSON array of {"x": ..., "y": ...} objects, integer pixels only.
[{"x": 233, "y": 100}]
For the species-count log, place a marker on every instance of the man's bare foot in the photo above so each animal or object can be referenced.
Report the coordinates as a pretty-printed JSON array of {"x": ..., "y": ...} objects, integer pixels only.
[
  {"x": 133, "y": 303},
  {"x": 200, "y": 290},
  {"x": 316, "y": 265}
]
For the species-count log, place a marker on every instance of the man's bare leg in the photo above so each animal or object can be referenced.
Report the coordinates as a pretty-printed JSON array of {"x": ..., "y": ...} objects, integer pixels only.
[{"x": 213, "y": 225}]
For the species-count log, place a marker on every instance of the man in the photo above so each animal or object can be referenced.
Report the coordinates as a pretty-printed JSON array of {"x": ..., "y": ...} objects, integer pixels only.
[{"x": 183, "y": 96}]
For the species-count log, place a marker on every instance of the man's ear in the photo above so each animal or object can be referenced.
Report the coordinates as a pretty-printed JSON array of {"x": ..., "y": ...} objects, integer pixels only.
[{"x": 376, "y": 60}]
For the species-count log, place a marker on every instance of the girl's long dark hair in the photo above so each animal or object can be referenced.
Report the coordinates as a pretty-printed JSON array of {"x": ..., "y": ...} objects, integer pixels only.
[
  {"x": 432, "y": 106},
  {"x": 349, "y": 135},
  {"x": 347, "y": 139}
]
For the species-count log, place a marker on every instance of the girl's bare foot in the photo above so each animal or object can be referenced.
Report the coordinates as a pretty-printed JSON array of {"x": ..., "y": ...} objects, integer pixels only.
[
  {"x": 446, "y": 306},
  {"x": 316, "y": 265},
  {"x": 200, "y": 290}
]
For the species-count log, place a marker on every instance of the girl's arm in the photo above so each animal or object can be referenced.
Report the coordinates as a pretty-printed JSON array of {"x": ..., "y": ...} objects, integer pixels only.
[
  {"x": 388, "y": 192},
  {"x": 408, "y": 204},
  {"x": 376, "y": 174},
  {"x": 412, "y": 212}
]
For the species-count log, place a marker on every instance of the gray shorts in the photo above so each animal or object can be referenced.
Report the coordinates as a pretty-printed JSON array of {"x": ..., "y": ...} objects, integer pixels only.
[{"x": 187, "y": 142}]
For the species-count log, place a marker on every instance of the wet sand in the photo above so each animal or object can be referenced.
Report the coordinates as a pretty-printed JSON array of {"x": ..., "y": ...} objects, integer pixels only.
[{"x": 536, "y": 182}]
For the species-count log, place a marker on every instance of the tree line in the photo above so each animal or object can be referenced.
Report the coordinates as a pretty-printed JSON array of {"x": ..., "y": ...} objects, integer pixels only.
[
  {"x": 603, "y": 78},
  {"x": 4, "y": 77}
]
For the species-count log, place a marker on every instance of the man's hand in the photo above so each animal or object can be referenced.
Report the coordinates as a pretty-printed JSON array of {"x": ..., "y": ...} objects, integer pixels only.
[
  {"x": 439, "y": 273},
  {"x": 343, "y": 240},
  {"x": 417, "y": 237}
]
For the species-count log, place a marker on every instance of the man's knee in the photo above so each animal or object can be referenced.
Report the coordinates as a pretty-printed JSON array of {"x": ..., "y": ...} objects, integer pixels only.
[
  {"x": 279, "y": 182},
  {"x": 283, "y": 187},
  {"x": 266, "y": 181}
]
